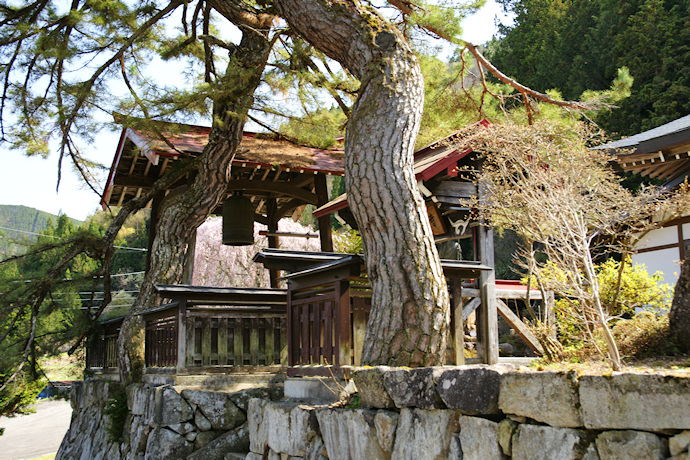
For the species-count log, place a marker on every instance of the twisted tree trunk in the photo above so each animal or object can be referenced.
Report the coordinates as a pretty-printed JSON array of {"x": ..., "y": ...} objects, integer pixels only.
[
  {"x": 182, "y": 214},
  {"x": 410, "y": 304}
]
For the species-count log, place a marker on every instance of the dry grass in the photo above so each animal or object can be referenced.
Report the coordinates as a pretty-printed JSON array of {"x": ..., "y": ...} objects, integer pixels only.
[
  {"x": 63, "y": 367},
  {"x": 678, "y": 366}
]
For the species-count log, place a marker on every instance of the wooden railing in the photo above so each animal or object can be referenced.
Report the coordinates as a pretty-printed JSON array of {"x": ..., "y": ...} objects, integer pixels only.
[
  {"x": 161, "y": 342},
  {"x": 327, "y": 324},
  {"x": 329, "y": 306},
  {"x": 101, "y": 349},
  {"x": 218, "y": 341},
  {"x": 210, "y": 329},
  {"x": 103, "y": 352}
]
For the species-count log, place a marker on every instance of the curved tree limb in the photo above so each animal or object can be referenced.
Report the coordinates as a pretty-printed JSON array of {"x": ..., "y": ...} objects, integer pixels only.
[{"x": 484, "y": 62}]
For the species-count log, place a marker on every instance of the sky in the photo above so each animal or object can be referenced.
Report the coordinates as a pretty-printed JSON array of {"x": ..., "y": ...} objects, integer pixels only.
[{"x": 31, "y": 181}]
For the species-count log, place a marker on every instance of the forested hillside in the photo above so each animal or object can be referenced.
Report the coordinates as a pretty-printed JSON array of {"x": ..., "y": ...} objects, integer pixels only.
[
  {"x": 17, "y": 223},
  {"x": 575, "y": 45}
]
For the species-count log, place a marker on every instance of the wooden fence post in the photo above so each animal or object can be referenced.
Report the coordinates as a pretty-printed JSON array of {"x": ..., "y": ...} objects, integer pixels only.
[
  {"x": 182, "y": 335},
  {"x": 459, "y": 332},
  {"x": 342, "y": 333},
  {"x": 487, "y": 315}
]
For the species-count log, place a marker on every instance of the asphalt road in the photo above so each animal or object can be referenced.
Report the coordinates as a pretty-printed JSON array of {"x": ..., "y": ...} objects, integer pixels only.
[{"x": 33, "y": 435}]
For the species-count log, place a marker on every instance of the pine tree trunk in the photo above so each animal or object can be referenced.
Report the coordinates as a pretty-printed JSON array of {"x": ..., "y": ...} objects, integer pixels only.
[
  {"x": 410, "y": 304},
  {"x": 182, "y": 214},
  {"x": 679, "y": 316}
]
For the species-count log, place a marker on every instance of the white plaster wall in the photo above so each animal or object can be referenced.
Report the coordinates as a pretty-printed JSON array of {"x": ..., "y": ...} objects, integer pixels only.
[
  {"x": 659, "y": 237},
  {"x": 666, "y": 261}
]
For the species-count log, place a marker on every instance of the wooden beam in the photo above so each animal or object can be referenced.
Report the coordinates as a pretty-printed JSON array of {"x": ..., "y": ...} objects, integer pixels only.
[
  {"x": 134, "y": 163},
  {"x": 289, "y": 206},
  {"x": 182, "y": 335},
  {"x": 487, "y": 316},
  {"x": 122, "y": 196},
  {"x": 273, "y": 241},
  {"x": 519, "y": 327},
  {"x": 325, "y": 230},
  {"x": 459, "y": 321},
  {"x": 342, "y": 321},
  {"x": 470, "y": 307},
  {"x": 163, "y": 167},
  {"x": 280, "y": 188},
  {"x": 188, "y": 269},
  {"x": 456, "y": 189}
]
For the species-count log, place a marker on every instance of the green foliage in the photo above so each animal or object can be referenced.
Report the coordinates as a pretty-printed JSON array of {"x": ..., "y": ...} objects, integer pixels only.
[
  {"x": 577, "y": 46},
  {"x": 19, "y": 395},
  {"x": 318, "y": 129},
  {"x": 116, "y": 410},
  {"x": 21, "y": 219},
  {"x": 354, "y": 402},
  {"x": 638, "y": 289},
  {"x": 447, "y": 107},
  {"x": 348, "y": 241},
  {"x": 36, "y": 324}
]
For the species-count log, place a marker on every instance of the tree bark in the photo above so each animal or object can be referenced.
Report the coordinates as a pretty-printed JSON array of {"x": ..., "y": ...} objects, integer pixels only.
[
  {"x": 209, "y": 174},
  {"x": 410, "y": 302},
  {"x": 679, "y": 316}
]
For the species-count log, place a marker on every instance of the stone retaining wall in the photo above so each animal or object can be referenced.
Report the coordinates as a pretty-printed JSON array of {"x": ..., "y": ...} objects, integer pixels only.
[
  {"x": 162, "y": 423},
  {"x": 472, "y": 412}
]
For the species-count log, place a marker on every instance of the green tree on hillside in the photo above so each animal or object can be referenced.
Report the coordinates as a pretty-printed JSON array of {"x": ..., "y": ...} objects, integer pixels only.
[
  {"x": 573, "y": 46},
  {"x": 65, "y": 309}
]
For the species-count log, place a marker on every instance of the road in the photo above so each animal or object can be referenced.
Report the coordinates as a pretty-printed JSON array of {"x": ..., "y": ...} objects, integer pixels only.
[{"x": 33, "y": 435}]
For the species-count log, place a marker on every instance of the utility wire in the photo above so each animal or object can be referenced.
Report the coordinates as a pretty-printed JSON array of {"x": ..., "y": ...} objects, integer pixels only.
[
  {"x": 95, "y": 277},
  {"x": 63, "y": 238}
]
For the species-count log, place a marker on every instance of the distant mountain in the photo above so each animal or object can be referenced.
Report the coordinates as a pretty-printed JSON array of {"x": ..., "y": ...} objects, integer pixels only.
[{"x": 17, "y": 223}]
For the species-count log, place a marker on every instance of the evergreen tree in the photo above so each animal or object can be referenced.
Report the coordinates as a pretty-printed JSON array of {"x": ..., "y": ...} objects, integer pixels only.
[{"x": 573, "y": 46}]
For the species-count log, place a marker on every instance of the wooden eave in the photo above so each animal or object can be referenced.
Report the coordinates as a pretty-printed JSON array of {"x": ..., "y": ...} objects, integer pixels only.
[
  {"x": 661, "y": 153},
  {"x": 429, "y": 162},
  {"x": 210, "y": 295},
  {"x": 293, "y": 261},
  {"x": 426, "y": 167},
  {"x": 263, "y": 168}
]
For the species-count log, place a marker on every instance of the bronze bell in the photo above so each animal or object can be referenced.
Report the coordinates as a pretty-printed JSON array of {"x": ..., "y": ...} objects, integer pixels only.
[{"x": 238, "y": 221}]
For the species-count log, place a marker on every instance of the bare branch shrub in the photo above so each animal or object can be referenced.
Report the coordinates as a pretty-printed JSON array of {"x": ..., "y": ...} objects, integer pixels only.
[{"x": 565, "y": 201}]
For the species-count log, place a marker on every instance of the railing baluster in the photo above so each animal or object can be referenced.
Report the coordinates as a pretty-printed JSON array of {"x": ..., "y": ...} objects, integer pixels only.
[
  {"x": 223, "y": 342},
  {"x": 239, "y": 343}
]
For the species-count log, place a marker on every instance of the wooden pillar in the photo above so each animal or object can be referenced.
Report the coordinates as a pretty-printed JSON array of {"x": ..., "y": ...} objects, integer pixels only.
[
  {"x": 273, "y": 241},
  {"x": 182, "y": 335},
  {"x": 459, "y": 330},
  {"x": 549, "y": 305},
  {"x": 290, "y": 335},
  {"x": 188, "y": 271},
  {"x": 325, "y": 230},
  {"x": 487, "y": 315},
  {"x": 342, "y": 322}
]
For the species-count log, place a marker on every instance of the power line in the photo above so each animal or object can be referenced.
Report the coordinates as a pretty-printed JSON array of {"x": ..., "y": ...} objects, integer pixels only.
[
  {"x": 95, "y": 277},
  {"x": 63, "y": 238}
]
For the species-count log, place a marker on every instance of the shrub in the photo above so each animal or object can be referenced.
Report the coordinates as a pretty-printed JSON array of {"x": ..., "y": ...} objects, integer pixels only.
[
  {"x": 583, "y": 338},
  {"x": 644, "y": 336},
  {"x": 116, "y": 410}
]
